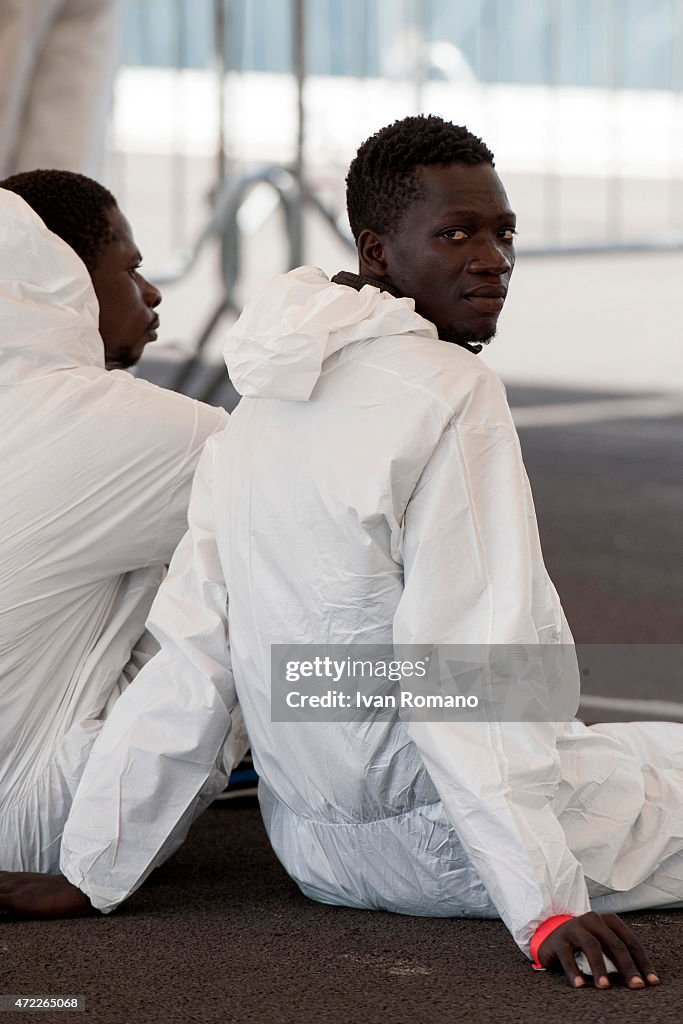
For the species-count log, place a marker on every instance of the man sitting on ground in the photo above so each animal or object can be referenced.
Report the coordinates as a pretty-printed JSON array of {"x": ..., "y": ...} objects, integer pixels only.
[
  {"x": 96, "y": 470},
  {"x": 371, "y": 490}
]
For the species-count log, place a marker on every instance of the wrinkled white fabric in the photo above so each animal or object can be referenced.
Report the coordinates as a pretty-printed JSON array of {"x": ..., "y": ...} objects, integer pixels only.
[
  {"x": 97, "y": 470},
  {"x": 155, "y": 765},
  {"x": 372, "y": 490}
]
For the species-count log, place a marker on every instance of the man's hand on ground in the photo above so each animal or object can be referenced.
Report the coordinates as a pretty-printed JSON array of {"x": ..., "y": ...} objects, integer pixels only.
[
  {"x": 36, "y": 895},
  {"x": 597, "y": 935}
]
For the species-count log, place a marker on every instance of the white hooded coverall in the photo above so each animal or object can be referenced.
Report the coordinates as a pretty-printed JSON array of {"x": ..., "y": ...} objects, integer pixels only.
[
  {"x": 371, "y": 489},
  {"x": 96, "y": 476}
]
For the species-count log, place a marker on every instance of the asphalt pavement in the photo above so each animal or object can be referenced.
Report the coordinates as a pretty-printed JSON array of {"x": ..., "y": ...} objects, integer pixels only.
[{"x": 221, "y": 935}]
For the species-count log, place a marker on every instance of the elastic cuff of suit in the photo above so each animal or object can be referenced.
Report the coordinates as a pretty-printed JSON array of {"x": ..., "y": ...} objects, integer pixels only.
[{"x": 541, "y": 933}]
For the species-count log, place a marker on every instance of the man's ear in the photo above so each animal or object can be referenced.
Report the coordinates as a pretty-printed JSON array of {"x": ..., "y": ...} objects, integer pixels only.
[{"x": 371, "y": 254}]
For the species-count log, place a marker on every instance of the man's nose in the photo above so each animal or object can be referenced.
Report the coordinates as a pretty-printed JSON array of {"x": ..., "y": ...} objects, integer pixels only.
[
  {"x": 151, "y": 293},
  {"x": 493, "y": 257}
]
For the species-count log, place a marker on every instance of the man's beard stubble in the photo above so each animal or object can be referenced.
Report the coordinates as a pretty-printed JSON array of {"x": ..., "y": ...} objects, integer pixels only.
[{"x": 467, "y": 339}]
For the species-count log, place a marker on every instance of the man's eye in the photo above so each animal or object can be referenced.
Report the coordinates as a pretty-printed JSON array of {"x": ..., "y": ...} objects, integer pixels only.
[
  {"x": 455, "y": 233},
  {"x": 507, "y": 234},
  {"x": 134, "y": 269}
]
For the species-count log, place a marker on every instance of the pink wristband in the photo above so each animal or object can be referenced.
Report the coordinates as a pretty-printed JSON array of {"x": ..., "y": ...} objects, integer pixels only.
[{"x": 541, "y": 933}]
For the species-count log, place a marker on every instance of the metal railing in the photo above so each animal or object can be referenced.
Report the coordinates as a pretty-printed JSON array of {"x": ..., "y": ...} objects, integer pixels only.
[
  {"x": 224, "y": 231},
  {"x": 615, "y": 48},
  {"x": 478, "y": 39}
]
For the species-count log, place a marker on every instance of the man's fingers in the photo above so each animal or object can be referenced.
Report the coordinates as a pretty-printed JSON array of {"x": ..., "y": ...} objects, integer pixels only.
[
  {"x": 596, "y": 936},
  {"x": 11, "y": 880},
  {"x": 8, "y": 901},
  {"x": 640, "y": 957},
  {"x": 9, "y": 887},
  {"x": 589, "y": 945},
  {"x": 37, "y": 895},
  {"x": 620, "y": 955},
  {"x": 565, "y": 954},
  {"x": 609, "y": 941}
]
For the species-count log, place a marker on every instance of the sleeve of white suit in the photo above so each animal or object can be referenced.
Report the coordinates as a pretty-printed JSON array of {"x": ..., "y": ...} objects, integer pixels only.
[
  {"x": 156, "y": 763},
  {"x": 474, "y": 575}
]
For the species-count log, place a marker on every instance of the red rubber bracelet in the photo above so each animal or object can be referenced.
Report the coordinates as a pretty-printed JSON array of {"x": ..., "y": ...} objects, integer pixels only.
[{"x": 541, "y": 933}]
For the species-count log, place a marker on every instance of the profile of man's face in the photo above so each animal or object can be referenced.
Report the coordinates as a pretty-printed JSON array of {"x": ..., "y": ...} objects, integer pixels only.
[
  {"x": 127, "y": 301},
  {"x": 453, "y": 251}
]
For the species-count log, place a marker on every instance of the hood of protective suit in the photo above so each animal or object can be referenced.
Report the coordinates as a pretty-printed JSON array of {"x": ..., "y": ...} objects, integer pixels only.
[
  {"x": 48, "y": 308},
  {"x": 293, "y": 324}
]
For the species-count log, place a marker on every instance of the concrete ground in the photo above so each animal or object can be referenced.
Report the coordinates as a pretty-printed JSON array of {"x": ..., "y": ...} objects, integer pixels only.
[{"x": 220, "y": 933}]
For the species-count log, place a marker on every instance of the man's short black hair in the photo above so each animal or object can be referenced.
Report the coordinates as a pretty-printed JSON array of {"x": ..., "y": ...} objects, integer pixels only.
[
  {"x": 71, "y": 205},
  {"x": 384, "y": 177}
]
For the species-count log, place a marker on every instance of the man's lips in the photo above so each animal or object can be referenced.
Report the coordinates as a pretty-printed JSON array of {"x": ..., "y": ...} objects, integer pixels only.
[
  {"x": 151, "y": 331},
  {"x": 487, "y": 298}
]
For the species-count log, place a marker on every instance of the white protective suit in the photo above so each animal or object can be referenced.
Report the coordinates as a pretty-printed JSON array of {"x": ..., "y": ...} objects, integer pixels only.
[
  {"x": 370, "y": 489},
  {"x": 96, "y": 470}
]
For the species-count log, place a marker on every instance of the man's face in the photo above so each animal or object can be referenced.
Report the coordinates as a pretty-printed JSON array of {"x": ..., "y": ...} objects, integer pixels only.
[
  {"x": 127, "y": 301},
  {"x": 453, "y": 252}
]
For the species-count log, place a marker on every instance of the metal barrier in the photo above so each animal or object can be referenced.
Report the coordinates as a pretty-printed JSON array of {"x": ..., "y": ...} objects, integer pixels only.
[
  {"x": 425, "y": 40},
  {"x": 223, "y": 229}
]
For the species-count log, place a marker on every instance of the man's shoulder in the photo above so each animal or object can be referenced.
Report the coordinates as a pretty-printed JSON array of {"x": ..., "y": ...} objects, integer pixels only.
[
  {"x": 117, "y": 404},
  {"x": 159, "y": 403},
  {"x": 442, "y": 372}
]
